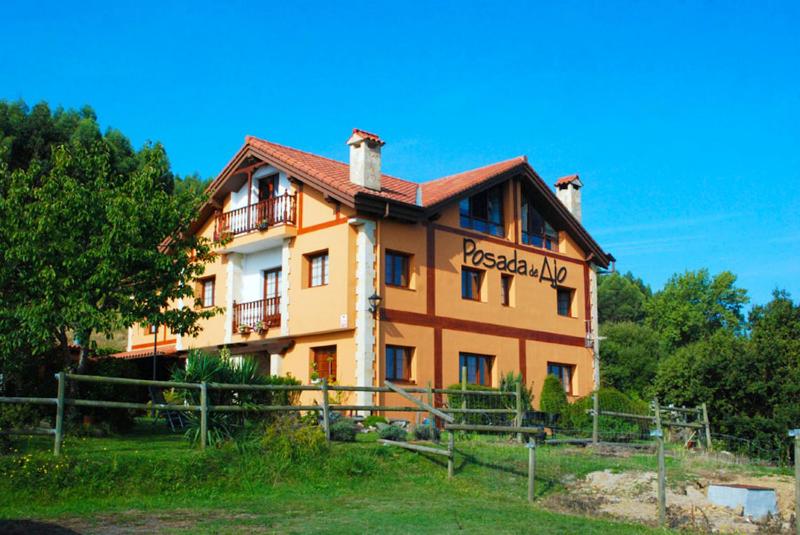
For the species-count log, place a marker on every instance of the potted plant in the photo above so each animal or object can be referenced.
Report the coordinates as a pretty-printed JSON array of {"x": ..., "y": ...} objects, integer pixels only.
[
  {"x": 263, "y": 224},
  {"x": 262, "y": 327},
  {"x": 244, "y": 329}
]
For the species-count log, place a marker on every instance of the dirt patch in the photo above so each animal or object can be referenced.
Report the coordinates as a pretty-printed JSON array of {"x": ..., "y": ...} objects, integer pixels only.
[
  {"x": 633, "y": 496},
  {"x": 135, "y": 522}
]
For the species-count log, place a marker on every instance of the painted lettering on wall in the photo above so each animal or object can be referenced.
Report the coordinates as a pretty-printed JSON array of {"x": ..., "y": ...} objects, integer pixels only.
[{"x": 544, "y": 272}]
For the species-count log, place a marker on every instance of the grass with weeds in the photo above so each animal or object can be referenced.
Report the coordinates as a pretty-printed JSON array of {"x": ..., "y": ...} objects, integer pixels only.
[{"x": 150, "y": 477}]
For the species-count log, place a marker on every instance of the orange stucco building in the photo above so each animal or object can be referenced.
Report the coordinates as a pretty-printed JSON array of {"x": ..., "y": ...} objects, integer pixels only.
[{"x": 337, "y": 270}]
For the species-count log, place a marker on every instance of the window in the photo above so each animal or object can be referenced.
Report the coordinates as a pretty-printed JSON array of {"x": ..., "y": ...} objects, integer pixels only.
[
  {"x": 272, "y": 283},
  {"x": 324, "y": 363},
  {"x": 505, "y": 290},
  {"x": 471, "y": 280},
  {"x": 484, "y": 211},
  {"x": 398, "y": 363},
  {"x": 564, "y": 372},
  {"x": 267, "y": 187},
  {"x": 535, "y": 230},
  {"x": 318, "y": 269},
  {"x": 564, "y": 297},
  {"x": 207, "y": 292},
  {"x": 397, "y": 268},
  {"x": 479, "y": 368},
  {"x": 272, "y": 292}
]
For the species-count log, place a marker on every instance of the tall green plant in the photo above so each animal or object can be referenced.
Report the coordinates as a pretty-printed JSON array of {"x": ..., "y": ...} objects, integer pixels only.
[
  {"x": 508, "y": 383},
  {"x": 553, "y": 398},
  {"x": 208, "y": 368}
]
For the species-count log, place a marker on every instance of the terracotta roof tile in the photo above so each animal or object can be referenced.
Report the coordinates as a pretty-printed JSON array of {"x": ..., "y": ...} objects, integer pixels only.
[
  {"x": 335, "y": 174},
  {"x": 164, "y": 351},
  {"x": 566, "y": 180},
  {"x": 368, "y": 135},
  {"x": 440, "y": 189}
]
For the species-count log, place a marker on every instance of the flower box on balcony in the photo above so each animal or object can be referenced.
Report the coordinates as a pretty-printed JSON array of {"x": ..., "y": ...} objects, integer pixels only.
[{"x": 244, "y": 329}]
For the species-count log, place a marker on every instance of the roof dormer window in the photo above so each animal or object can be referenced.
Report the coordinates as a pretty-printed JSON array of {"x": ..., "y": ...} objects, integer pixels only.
[
  {"x": 535, "y": 230},
  {"x": 484, "y": 211}
]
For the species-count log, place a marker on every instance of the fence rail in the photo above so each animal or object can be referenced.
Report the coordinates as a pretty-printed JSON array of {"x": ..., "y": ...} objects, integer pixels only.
[{"x": 205, "y": 407}]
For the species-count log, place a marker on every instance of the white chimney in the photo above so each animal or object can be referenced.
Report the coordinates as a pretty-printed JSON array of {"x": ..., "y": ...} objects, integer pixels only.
[
  {"x": 365, "y": 159},
  {"x": 568, "y": 190}
]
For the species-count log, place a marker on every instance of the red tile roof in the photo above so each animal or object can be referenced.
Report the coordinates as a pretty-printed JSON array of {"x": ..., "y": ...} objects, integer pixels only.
[
  {"x": 334, "y": 174},
  {"x": 438, "y": 190},
  {"x": 368, "y": 135},
  {"x": 566, "y": 180},
  {"x": 163, "y": 351}
]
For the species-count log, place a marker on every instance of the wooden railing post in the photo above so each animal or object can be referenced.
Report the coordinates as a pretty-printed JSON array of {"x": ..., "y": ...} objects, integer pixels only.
[
  {"x": 326, "y": 410},
  {"x": 203, "y": 414},
  {"x": 707, "y": 425},
  {"x": 519, "y": 407},
  {"x": 431, "y": 419},
  {"x": 59, "y": 436},
  {"x": 531, "y": 470},
  {"x": 795, "y": 434},
  {"x": 662, "y": 470},
  {"x": 464, "y": 393}
]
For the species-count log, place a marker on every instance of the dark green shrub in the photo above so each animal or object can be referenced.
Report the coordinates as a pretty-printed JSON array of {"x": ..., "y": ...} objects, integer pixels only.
[
  {"x": 576, "y": 417},
  {"x": 102, "y": 421},
  {"x": 18, "y": 416},
  {"x": 393, "y": 432},
  {"x": 481, "y": 402},
  {"x": 553, "y": 399},
  {"x": 344, "y": 430},
  {"x": 427, "y": 432},
  {"x": 373, "y": 421},
  {"x": 215, "y": 369}
]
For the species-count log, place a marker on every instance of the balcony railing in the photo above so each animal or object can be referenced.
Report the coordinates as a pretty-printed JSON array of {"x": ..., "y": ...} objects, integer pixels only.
[
  {"x": 257, "y": 315},
  {"x": 268, "y": 213}
]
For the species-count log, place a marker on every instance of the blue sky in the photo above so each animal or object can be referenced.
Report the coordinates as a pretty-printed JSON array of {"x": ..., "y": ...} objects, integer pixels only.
[{"x": 682, "y": 118}]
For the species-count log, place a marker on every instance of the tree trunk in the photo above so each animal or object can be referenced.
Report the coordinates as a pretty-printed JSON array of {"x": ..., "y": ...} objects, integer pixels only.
[{"x": 83, "y": 359}]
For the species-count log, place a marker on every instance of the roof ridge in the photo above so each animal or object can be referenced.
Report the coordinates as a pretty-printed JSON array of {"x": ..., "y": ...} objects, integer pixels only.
[
  {"x": 249, "y": 137},
  {"x": 521, "y": 159}
]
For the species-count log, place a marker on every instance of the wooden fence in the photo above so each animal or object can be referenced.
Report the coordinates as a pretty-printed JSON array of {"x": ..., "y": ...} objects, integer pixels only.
[{"x": 204, "y": 408}]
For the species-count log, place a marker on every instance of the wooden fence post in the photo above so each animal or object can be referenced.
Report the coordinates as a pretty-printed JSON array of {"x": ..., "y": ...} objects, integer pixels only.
[
  {"x": 662, "y": 470},
  {"x": 519, "y": 408},
  {"x": 596, "y": 416},
  {"x": 451, "y": 450},
  {"x": 796, "y": 434},
  {"x": 203, "y": 415},
  {"x": 531, "y": 469},
  {"x": 464, "y": 393},
  {"x": 431, "y": 419},
  {"x": 326, "y": 410},
  {"x": 707, "y": 425},
  {"x": 59, "y": 436}
]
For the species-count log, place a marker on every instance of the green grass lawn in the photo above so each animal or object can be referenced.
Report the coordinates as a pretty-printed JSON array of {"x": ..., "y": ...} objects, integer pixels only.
[{"x": 157, "y": 481}]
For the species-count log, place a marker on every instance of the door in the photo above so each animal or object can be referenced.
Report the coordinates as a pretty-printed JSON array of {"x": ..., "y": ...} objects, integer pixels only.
[
  {"x": 325, "y": 362},
  {"x": 272, "y": 295}
]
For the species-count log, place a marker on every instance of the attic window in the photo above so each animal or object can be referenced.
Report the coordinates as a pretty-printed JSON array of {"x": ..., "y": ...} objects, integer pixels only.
[
  {"x": 535, "y": 230},
  {"x": 484, "y": 211}
]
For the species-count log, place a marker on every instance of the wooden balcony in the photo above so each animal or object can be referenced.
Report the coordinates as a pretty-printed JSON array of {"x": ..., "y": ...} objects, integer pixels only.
[
  {"x": 264, "y": 215},
  {"x": 257, "y": 315}
]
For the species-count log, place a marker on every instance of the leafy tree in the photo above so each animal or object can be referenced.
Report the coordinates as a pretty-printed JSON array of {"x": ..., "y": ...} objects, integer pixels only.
[
  {"x": 693, "y": 305},
  {"x": 193, "y": 183},
  {"x": 621, "y": 297},
  {"x": 92, "y": 236},
  {"x": 553, "y": 399},
  {"x": 629, "y": 357}
]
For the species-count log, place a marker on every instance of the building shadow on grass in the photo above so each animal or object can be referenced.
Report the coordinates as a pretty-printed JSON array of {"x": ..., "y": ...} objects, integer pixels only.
[{"x": 32, "y": 527}]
